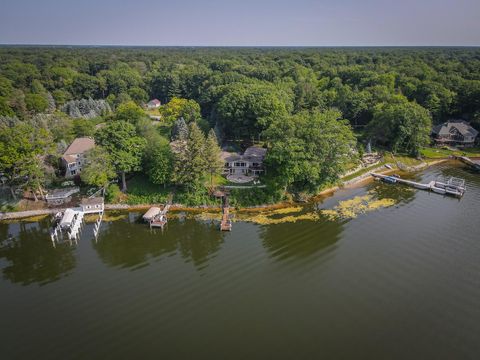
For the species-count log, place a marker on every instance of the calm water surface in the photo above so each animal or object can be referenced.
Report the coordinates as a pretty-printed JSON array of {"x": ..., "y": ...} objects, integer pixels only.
[{"x": 397, "y": 283}]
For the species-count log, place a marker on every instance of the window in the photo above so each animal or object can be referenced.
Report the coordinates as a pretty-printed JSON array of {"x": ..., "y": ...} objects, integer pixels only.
[
  {"x": 240, "y": 164},
  {"x": 73, "y": 172}
]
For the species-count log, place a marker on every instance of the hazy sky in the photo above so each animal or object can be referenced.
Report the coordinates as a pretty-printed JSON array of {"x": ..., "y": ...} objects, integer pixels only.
[{"x": 241, "y": 22}]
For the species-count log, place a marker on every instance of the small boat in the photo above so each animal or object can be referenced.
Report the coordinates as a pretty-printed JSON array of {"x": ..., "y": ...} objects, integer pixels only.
[
  {"x": 390, "y": 179},
  {"x": 388, "y": 166}
]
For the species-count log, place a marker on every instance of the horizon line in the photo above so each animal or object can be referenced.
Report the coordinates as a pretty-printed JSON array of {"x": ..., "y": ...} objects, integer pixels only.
[{"x": 235, "y": 46}]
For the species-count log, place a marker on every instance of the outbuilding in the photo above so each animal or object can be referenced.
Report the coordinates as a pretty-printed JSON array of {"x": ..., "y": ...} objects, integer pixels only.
[{"x": 92, "y": 205}]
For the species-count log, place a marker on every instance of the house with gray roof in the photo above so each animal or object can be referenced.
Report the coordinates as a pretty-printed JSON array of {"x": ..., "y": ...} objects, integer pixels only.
[
  {"x": 74, "y": 157},
  {"x": 244, "y": 167},
  {"x": 455, "y": 132}
]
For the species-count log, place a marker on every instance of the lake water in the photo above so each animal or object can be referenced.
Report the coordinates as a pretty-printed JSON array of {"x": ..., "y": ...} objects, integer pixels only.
[{"x": 401, "y": 282}]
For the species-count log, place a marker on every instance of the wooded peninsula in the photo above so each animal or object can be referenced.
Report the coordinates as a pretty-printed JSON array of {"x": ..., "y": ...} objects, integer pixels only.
[{"x": 147, "y": 124}]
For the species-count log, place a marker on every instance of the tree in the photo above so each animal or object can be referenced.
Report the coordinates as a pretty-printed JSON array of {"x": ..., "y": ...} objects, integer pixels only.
[
  {"x": 309, "y": 149},
  {"x": 402, "y": 125},
  {"x": 23, "y": 149},
  {"x": 125, "y": 147},
  {"x": 130, "y": 112},
  {"x": 98, "y": 169},
  {"x": 176, "y": 108},
  {"x": 159, "y": 162},
  {"x": 214, "y": 163},
  {"x": 180, "y": 130},
  {"x": 245, "y": 110},
  {"x": 5, "y": 109},
  {"x": 83, "y": 127},
  {"x": 189, "y": 160},
  {"x": 36, "y": 102}
]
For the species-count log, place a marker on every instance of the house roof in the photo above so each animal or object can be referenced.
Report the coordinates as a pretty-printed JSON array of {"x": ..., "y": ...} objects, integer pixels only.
[
  {"x": 79, "y": 145},
  {"x": 255, "y": 152},
  {"x": 154, "y": 101},
  {"x": 230, "y": 156},
  {"x": 462, "y": 126},
  {"x": 92, "y": 201},
  {"x": 69, "y": 158}
]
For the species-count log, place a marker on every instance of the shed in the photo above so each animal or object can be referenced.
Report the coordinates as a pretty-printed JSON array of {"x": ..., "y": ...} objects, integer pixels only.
[{"x": 92, "y": 205}]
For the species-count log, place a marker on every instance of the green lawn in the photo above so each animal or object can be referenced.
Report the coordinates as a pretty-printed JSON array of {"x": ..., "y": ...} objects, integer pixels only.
[{"x": 438, "y": 153}]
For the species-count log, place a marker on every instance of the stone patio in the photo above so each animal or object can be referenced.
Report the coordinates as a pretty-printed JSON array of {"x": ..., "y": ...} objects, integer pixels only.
[{"x": 240, "y": 178}]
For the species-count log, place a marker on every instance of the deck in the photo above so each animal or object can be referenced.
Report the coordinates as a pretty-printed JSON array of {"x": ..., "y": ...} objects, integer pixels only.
[{"x": 450, "y": 186}]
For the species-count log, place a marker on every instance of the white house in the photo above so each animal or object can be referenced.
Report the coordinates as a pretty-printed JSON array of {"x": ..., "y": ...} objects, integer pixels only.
[
  {"x": 153, "y": 104},
  {"x": 74, "y": 157}
]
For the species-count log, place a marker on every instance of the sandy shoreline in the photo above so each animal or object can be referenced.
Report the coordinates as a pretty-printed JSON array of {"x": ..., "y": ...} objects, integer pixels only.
[{"x": 355, "y": 182}]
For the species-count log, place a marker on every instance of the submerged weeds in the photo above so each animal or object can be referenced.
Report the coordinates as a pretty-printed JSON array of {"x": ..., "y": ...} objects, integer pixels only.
[{"x": 350, "y": 209}]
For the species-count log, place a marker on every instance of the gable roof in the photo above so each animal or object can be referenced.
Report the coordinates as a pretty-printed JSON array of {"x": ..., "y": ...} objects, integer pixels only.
[
  {"x": 462, "y": 126},
  {"x": 255, "y": 152},
  {"x": 79, "y": 145},
  {"x": 154, "y": 101}
]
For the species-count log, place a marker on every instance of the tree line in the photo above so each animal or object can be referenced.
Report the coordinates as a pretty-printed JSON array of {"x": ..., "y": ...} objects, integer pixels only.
[{"x": 307, "y": 106}]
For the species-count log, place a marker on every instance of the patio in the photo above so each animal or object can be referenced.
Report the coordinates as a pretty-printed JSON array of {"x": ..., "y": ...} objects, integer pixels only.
[{"x": 240, "y": 178}]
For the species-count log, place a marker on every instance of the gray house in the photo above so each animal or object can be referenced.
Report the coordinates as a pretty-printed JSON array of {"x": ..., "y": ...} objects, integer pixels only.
[
  {"x": 74, "y": 157},
  {"x": 244, "y": 167},
  {"x": 454, "y": 132}
]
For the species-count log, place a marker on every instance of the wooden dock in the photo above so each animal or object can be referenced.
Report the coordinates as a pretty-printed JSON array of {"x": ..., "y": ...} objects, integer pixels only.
[
  {"x": 160, "y": 217},
  {"x": 226, "y": 224},
  {"x": 451, "y": 186}
]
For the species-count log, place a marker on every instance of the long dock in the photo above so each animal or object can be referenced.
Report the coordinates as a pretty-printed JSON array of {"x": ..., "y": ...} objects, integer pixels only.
[
  {"x": 226, "y": 224},
  {"x": 452, "y": 186}
]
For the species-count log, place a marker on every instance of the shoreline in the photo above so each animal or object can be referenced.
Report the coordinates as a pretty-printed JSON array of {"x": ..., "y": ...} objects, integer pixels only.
[{"x": 352, "y": 183}]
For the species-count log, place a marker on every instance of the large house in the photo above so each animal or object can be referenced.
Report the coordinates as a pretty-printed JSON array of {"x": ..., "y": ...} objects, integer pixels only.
[
  {"x": 246, "y": 166},
  {"x": 455, "y": 132},
  {"x": 74, "y": 157},
  {"x": 153, "y": 104}
]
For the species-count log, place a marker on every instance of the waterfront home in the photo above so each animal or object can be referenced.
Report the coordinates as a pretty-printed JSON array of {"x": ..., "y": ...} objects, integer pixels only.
[
  {"x": 74, "y": 157},
  {"x": 455, "y": 132},
  {"x": 153, "y": 104},
  {"x": 92, "y": 205},
  {"x": 244, "y": 167}
]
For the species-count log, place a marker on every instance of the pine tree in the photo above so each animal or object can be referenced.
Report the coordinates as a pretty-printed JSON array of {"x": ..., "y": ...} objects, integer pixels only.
[
  {"x": 190, "y": 164},
  {"x": 212, "y": 157},
  {"x": 180, "y": 130}
]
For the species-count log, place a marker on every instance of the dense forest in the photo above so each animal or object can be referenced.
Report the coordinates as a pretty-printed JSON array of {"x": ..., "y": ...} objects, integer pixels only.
[{"x": 311, "y": 107}]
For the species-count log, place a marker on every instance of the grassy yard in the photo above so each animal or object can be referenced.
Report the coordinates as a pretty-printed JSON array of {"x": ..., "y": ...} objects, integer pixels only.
[
  {"x": 438, "y": 153},
  {"x": 142, "y": 191}
]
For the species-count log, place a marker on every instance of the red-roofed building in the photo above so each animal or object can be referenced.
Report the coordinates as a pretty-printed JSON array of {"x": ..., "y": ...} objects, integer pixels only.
[{"x": 153, "y": 104}]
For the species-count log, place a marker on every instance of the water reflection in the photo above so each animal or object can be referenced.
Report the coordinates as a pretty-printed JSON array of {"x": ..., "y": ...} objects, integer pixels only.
[
  {"x": 124, "y": 245},
  {"x": 300, "y": 240},
  {"x": 398, "y": 192},
  {"x": 29, "y": 257}
]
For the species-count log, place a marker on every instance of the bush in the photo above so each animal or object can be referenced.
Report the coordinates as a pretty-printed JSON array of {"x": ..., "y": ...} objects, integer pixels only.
[
  {"x": 255, "y": 196},
  {"x": 113, "y": 193}
]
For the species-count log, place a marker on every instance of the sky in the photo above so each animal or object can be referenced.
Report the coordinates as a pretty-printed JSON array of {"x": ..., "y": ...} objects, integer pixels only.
[{"x": 241, "y": 22}]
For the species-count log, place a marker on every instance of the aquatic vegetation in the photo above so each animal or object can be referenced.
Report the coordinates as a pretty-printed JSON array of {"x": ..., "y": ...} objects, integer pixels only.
[
  {"x": 107, "y": 216},
  {"x": 287, "y": 210},
  {"x": 207, "y": 216},
  {"x": 266, "y": 219},
  {"x": 350, "y": 209}
]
